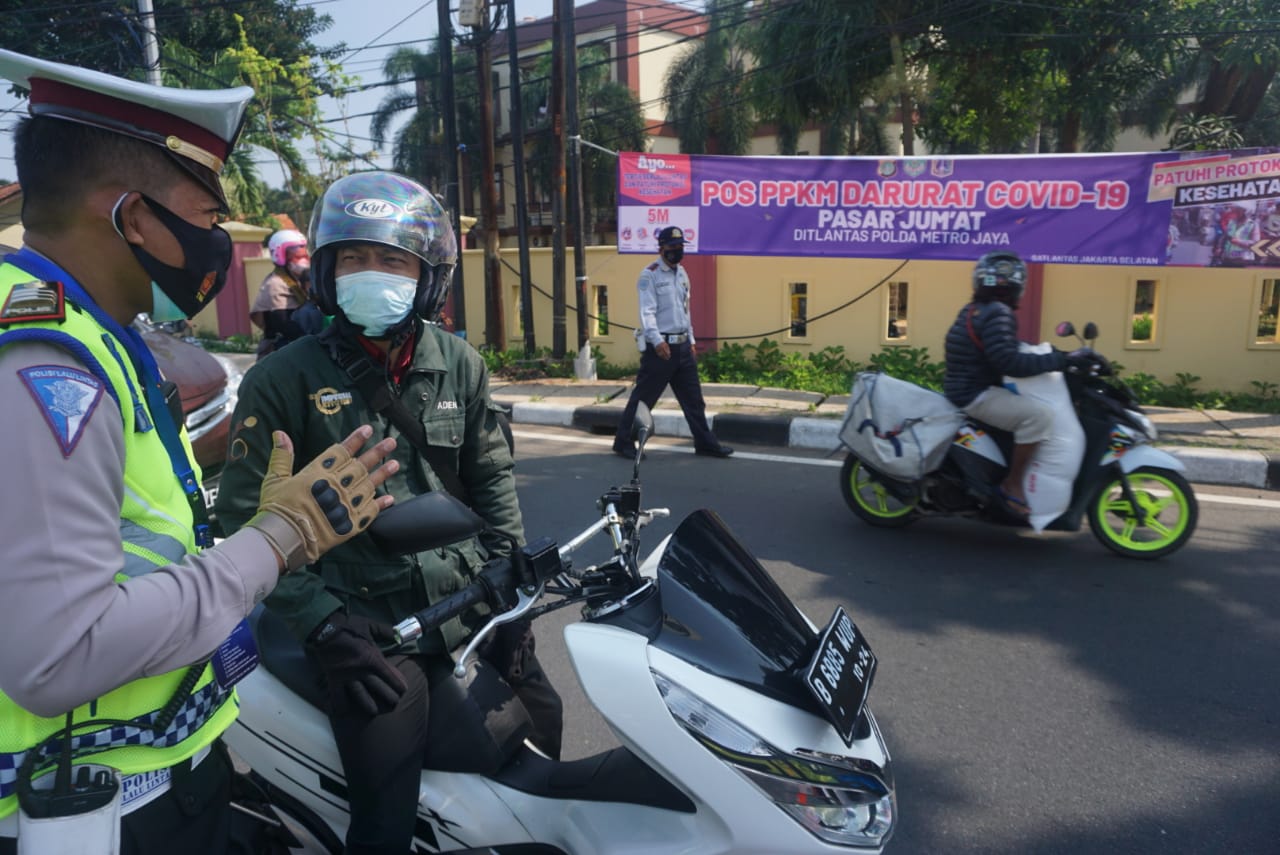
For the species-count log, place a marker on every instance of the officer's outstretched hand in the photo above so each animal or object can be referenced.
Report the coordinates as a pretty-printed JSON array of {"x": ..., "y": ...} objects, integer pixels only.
[{"x": 328, "y": 502}]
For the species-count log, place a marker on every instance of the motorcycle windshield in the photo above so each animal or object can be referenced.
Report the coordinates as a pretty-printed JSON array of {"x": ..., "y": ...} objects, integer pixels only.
[{"x": 724, "y": 613}]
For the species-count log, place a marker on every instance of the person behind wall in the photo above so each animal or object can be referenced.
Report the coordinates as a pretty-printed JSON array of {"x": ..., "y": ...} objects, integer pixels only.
[
  {"x": 115, "y": 596},
  {"x": 982, "y": 349},
  {"x": 283, "y": 309},
  {"x": 385, "y": 278},
  {"x": 666, "y": 337}
]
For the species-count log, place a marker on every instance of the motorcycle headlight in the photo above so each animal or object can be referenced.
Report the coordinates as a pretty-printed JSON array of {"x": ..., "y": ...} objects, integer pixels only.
[{"x": 841, "y": 800}]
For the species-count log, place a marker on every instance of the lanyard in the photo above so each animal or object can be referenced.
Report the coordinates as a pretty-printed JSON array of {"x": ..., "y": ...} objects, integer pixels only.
[{"x": 148, "y": 374}]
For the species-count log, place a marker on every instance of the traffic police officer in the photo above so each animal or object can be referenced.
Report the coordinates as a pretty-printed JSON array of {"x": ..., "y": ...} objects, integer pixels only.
[
  {"x": 668, "y": 358},
  {"x": 383, "y": 254},
  {"x": 115, "y": 598}
]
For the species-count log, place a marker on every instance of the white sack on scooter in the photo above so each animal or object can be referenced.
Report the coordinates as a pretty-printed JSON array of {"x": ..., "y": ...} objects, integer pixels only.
[
  {"x": 898, "y": 428},
  {"x": 1052, "y": 472}
]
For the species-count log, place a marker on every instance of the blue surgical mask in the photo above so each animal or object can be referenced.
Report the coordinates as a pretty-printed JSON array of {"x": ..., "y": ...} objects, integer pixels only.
[
  {"x": 375, "y": 300},
  {"x": 163, "y": 309}
]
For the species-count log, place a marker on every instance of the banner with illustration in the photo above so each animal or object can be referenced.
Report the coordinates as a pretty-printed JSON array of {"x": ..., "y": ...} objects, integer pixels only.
[{"x": 1180, "y": 208}]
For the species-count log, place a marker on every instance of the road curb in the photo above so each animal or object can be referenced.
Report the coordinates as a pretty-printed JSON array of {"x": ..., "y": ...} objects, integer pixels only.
[{"x": 1227, "y": 467}]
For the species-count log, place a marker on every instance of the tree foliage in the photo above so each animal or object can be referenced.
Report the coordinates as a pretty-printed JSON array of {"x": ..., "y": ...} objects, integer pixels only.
[
  {"x": 609, "y": 115},
  {"x": 418, "y": 146},
  {"x": 706, "y": 93},
  {"x": 265, "y": 44}
]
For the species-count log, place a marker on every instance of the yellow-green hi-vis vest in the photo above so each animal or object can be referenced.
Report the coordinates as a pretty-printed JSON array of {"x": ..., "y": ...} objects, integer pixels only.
[{"x": 156, "y": 530}]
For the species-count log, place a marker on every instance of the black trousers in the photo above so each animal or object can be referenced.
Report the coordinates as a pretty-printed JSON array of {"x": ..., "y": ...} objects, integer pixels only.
[
  {"x": 382, "y": 756},
  {"x": 656, "y": 373},
  {"x": 194, "y": 816}
]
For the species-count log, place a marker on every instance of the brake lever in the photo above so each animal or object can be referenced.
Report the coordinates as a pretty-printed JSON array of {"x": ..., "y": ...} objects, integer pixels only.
[{"x": 524, "y": 602}]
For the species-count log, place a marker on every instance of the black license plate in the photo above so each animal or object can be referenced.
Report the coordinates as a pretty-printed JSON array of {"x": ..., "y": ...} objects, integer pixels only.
[{"x": 840, "y": 673}]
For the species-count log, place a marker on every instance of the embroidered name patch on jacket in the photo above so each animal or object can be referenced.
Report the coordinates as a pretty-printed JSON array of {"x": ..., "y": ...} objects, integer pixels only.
[{"x": 67, "y": 397}]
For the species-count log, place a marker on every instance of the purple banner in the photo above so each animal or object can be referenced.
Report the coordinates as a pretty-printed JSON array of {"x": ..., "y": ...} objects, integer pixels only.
[{"x": 1190, "y": 208}]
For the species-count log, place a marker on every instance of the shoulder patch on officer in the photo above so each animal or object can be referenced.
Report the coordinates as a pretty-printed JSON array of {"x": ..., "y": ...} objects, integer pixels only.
[
  {"x": 34, "y": 301},
  {"x": 67, "y": 397},
  {"x": 653, "y": 266}
]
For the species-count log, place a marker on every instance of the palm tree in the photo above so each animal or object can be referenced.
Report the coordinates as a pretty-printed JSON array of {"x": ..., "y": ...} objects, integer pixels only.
[
  {"x": 609, "y": 115},
  {"x": 418, "y": 146},
  {"x": 705, "y": 91}
]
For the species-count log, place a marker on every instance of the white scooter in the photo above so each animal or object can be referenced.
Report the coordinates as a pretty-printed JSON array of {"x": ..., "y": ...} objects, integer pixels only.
[{"x": 743, "y": 727}]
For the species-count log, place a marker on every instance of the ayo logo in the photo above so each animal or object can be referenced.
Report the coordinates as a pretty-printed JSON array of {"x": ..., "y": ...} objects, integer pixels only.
[
  {"x": 372, "y": 209},
  {"x": 652, "y": 164}
]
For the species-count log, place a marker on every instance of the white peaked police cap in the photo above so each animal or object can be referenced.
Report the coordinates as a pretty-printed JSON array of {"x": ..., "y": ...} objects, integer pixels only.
[{"x": 196, "y": 127}]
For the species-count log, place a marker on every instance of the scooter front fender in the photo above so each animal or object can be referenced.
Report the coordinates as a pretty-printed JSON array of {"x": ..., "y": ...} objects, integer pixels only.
[{"x": 1145, "y": 455}]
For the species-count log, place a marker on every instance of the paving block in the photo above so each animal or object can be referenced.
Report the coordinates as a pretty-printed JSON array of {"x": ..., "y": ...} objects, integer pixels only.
[
  {"x": 756, "y": 429},
  {"x": 540, "y": 413},
  {"x": 822, "y": 434},
  {"x": 1223, "y": 466}
]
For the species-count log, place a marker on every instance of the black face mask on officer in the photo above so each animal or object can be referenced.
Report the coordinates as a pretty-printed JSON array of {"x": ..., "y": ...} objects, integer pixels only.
[
  {"x": 672, "y": 253},
  {"x": 206, "y": 257}
]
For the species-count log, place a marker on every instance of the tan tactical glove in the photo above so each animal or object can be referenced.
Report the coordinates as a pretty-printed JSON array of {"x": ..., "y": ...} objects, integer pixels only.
[{"x": 303, "y": 516}]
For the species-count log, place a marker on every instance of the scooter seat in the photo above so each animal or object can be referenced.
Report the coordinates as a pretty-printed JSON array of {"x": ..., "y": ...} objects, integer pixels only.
[{"x": 283, "y": 656}]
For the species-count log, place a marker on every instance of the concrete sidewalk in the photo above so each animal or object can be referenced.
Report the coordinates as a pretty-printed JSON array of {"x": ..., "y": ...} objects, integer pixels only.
[{"x": 1217, "y": 447}]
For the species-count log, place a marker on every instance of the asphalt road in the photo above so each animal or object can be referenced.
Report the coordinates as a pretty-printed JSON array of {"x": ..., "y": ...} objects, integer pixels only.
[{"x": 1038, "y": 694}]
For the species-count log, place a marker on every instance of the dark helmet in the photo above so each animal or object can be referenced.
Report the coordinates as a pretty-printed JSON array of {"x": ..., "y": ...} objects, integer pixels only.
[
  {"x": 390, "y": 209},
  {"x": 999, "y": 276},
  {"x": 671, "y": 235}
]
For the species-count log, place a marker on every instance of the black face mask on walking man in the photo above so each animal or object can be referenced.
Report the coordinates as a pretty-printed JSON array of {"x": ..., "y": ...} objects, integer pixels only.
[
  {"x": 672, "y": 255},
  {"x": 206, "y": 257}
]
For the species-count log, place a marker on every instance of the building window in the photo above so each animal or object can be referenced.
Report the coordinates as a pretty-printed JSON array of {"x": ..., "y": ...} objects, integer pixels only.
[
  {"x": 896, "y": 308},
  {"x": 798, "y": 309},
  {"x": 1143, "y": 328},
  {"x": 1267, "y": 305},
  {"x": 600, "y": 308}
]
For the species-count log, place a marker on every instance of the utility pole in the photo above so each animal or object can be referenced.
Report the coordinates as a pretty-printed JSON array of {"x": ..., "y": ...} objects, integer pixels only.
[
  {"x": 516, "y": 114},
  {"x": 575, "y": 172},
  {"x": 150, "y": 45},
  {"x": 563, "y": 10},
  {"x": 495, "y": 330},
  {"x": 453, "y": 199}
]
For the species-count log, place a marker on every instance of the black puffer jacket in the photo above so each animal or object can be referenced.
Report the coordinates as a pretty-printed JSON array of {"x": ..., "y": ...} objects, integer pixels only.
[{"x": 971, "y": 369}]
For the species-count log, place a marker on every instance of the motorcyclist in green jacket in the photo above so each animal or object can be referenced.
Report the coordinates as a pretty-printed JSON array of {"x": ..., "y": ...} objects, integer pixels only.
[{"x": 383, "y": 254}]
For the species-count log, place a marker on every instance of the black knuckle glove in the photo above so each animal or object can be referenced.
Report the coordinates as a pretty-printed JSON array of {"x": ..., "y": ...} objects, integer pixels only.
[{"x": 359, "y": 677}]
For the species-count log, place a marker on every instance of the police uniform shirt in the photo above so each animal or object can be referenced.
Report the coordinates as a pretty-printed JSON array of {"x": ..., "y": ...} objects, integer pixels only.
[
  {"x": 664, "y": 302},
  {"x": 69, "y": 633}
]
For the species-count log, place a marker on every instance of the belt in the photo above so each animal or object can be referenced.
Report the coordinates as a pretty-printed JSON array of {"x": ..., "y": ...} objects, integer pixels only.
[{"x": 674, "y": 338}]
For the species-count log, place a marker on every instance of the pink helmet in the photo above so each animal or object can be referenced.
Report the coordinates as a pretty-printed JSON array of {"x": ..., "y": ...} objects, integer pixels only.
[{"x": 282, "y": 241}]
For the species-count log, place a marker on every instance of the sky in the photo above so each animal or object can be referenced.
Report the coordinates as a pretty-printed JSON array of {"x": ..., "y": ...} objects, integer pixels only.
[{"x": 371, "y": 29}]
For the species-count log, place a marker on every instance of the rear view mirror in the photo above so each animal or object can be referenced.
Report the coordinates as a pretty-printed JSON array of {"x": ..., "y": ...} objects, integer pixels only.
[
  {"x": 1090, "y": 331},
  {"x": 427, "y": 521},
  {"x": 642, "y": 426},
  {"x": 1065, "y": 329}
]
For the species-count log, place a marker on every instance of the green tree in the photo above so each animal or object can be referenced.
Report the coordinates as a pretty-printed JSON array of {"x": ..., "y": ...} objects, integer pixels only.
[
  {"x": 265, "y": 44},
  {"x": 418, "y": 146},
  {"x": 706, "y": 92},
  {"x": 609, "y": 115}
]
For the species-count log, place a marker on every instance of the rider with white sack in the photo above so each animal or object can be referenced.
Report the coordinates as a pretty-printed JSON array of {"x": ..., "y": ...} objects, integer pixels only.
[{"x": 982, "y": 348}]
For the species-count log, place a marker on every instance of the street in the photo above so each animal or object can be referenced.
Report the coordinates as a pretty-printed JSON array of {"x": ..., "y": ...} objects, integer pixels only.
[{"x": 1037, "y": 693}]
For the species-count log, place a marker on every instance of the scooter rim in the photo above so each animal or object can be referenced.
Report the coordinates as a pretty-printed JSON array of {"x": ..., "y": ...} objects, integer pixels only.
[
  {"x": 1122, "y": 540},
  {"x": 859, "y": 477}
]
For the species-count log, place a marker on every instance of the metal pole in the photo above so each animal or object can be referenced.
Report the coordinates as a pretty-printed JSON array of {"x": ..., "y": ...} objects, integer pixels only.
[
  {"x": 575, "y": 174},
  {"x": 150, "y": 45},
  {"x": 452, "y": 197},
  {"x": 495, "y": 328},
  {"x": 563, "y": 11},
  {"x": 516, "y": 114}
]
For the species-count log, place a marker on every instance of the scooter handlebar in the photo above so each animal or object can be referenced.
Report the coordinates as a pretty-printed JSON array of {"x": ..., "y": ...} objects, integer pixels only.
[{"x": 494, "y": 585}]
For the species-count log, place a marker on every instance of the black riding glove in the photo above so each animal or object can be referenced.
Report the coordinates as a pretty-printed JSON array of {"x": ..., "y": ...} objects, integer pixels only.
[{"x": 359, "y": 677}]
